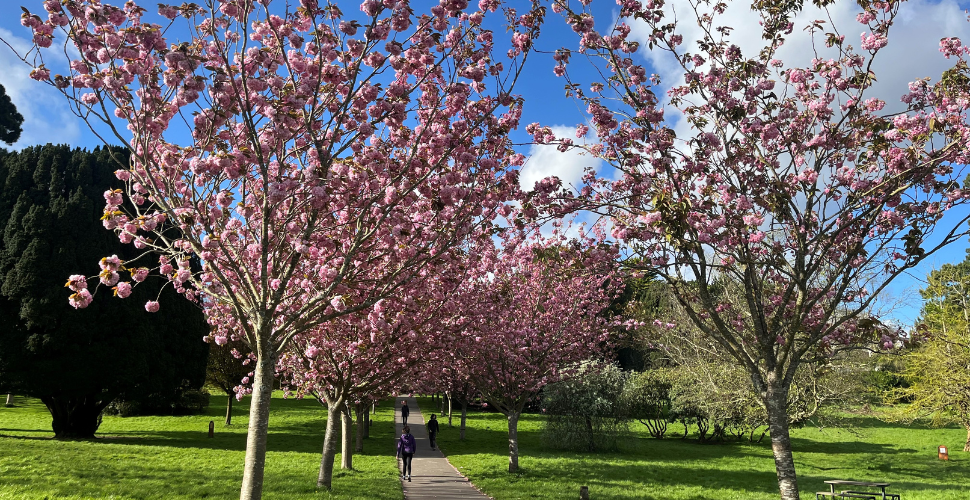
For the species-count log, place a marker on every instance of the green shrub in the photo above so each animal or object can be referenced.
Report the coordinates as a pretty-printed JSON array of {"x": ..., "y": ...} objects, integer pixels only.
[
  {"x": 586, "y": 410},
  {"x": 646, "y": 397}
]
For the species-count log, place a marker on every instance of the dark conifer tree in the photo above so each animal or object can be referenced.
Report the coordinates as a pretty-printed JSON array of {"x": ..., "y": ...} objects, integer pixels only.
[
  {"x": 78, "y": 361},
  {"x": 10, "y": 119}
]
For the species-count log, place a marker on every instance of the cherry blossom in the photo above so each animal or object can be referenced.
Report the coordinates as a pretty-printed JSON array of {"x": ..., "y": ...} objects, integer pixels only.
[
  {"x": 309, "y": 168},
  {"x": 795, "y": 183}
]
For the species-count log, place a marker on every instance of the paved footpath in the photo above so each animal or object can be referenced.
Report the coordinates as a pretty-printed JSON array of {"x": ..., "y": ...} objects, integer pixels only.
[{"x": 432, "y": 476}]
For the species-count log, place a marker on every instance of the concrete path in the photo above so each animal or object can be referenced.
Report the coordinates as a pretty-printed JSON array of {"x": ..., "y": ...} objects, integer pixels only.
[{"x": 432, "y": 476}]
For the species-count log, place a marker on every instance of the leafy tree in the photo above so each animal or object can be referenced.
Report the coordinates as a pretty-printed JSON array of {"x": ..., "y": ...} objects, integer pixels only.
[
  {"x": 710, "y": 389},
  {"x": 78, "y": 361},
  {"x": 228, "y": 365},
  {"x": 10, "y": 119},
  {"x": 938, "y": 367}
]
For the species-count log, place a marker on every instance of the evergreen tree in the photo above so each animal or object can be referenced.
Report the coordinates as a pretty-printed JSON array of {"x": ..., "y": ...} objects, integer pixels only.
[
  {"x": 78, "y": 361},
  {"x": 10, "y": 119},
  {"x": 227, "y": 367}
]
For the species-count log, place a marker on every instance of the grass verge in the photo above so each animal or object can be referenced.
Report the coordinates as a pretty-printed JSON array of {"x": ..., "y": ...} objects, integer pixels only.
[
  {"x": 676, "y": 469},
  {"x": 172, "y": 457}
]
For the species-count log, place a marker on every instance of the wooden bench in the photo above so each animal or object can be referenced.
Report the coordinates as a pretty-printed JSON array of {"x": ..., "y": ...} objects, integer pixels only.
[
  {"x": 847, "y": 494},
  {"x": 890, "y": 496},
  {"x": 872, "y": 495}
]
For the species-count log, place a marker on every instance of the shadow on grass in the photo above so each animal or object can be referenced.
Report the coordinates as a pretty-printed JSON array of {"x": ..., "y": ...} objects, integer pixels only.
[
  {"x": 804, "y": 445},
  {"x": 296, "y": 425},
  {"x": 602, "y": 476},
  {"x": 661, "y": 469}
]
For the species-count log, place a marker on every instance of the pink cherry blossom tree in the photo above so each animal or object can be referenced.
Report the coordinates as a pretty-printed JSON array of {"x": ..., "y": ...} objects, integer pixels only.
[
  {"x": 796, "y": 185},
  {"x": 366, "y": 355},
  {"x": 447, "y": 375},
  {"x": 532, "y": 307},
  {"x": 314, "y": 161}
]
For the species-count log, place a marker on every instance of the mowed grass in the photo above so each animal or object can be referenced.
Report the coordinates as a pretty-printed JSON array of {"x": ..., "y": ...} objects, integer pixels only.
[
  {"x": 674, "y": 469},
  {"x": 172, "y": 457}
]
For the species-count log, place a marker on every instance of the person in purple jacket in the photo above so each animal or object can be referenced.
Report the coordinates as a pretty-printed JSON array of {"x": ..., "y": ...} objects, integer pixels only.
[{"x": 406, "y": 446}]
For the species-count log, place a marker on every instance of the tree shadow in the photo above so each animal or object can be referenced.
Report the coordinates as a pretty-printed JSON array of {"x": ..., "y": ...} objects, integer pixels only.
[{"x": 805, "y": 445}]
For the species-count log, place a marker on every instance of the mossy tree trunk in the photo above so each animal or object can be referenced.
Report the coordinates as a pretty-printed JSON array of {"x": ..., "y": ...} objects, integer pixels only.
[
  {"x": 777, "y": 406},
  {"x": 347, "y": 443},
  {"x": 513, "y": 441},
  {"x": 325, "y": 478},
  {"x": 360, "y": 409}
]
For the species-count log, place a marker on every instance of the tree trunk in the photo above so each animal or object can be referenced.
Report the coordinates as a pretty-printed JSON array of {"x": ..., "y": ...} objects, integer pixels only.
[
  {"x": 325, "y": 479},
  {"x": 464, "y": 414},
  {"x": 9, "y": 399},
  {"x": 449, "y": 409},
  {"x": 347, "y": 443},
  {"x": 442, "y": 401},
  {"x": 74, "y": 417},
  {"x": 367, "y": 411},
  {"x": 777, "y": 405},
  {"x": 513, "y": 442},
  {"x": 229, "y": 408},
  {"x": 966, "y": 446},
  {"x": 360, "y": 409},
  {"x": 252, "y": 484}
]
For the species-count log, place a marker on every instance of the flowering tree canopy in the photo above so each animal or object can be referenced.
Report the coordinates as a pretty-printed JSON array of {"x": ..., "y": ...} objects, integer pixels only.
[
  {"x": 532, "y": 307},
  {"x": 369, "y": 354},
  {"x": 313, "y": 161},
  {"x": 794, "y": 182}
]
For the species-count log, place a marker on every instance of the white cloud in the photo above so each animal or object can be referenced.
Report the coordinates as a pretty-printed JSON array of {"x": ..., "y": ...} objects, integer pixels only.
[
  {"x": 545, "y": 161},
  {"x": 913, "y": 50},
  {"x": 46, "y": 115}
]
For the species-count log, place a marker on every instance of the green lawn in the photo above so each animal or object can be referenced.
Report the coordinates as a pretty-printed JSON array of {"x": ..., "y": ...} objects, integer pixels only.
[
  {"x": 172, "y": 457},
  {"x": 673, "y": 469}
]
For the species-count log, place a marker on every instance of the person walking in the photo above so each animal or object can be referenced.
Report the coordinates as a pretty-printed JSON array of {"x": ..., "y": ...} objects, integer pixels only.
[
  {"x": 432, "y": 429},
  {"x": 404, "y": 412},
  {"x": 406, "y": 446}
]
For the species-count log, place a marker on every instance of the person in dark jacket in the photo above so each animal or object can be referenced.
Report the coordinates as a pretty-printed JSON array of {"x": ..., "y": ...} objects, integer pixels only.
[
  {"x": 404, "y": 412},
  {"x": 432, "y": 429},
  {"x": 406, "y": 446}
]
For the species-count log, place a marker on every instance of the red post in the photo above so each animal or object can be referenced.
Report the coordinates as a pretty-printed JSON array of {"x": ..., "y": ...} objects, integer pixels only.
[{"x": 944, "y": 452}]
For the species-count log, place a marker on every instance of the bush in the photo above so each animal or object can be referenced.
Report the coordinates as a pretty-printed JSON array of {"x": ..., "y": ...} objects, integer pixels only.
[
  {"x": 122, "y": 408},
  {"x": 646, "y": 397},
  {"x": 586, "y": 410},
  {"x": 187, "y": 402},
  {"x": 192, "y": 402}
]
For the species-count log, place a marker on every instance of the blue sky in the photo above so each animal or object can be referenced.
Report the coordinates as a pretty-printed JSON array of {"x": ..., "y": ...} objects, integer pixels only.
[{"x": 914, "y": 41}]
